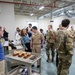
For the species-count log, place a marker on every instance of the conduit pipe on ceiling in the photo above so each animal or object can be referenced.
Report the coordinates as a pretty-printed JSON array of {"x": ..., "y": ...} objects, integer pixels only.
[
  {"x": 53, "y": 2},
  {"x": 26, "y": 4}
]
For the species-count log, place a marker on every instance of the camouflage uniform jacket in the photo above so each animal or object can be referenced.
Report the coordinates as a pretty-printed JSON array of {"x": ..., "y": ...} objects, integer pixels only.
[
  {"x": 73, "y": 33},
  {"x": 50, "y": 36},
  {"x": 64, "y": 42}
]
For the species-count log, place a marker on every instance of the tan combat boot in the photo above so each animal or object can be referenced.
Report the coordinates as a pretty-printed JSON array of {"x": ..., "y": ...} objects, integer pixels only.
[
  {"x": 52, "y": 59},
  {"x": 48, "y": 58}
]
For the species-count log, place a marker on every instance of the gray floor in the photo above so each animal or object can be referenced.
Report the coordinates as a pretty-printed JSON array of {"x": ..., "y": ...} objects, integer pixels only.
[
  {"x": 72, "y": 68},
  {"x": 50, "y": 68}
]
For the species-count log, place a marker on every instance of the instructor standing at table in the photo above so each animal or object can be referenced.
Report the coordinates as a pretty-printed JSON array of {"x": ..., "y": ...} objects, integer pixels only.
[{"x": 36, "y": 44}]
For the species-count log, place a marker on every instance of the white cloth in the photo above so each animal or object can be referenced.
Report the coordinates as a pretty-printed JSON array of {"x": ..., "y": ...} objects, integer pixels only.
[
  {"x": 6, "y": 43},
  {"x": 18, "y": 37},
  {"x": 29, "y": 29},
  {"x": 16, "y": 42}
]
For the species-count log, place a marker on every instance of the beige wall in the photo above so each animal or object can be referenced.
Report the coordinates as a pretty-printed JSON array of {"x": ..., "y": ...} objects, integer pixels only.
[
  {"x": 7, "y": 18},
  {"x": 22, "y": 21}
]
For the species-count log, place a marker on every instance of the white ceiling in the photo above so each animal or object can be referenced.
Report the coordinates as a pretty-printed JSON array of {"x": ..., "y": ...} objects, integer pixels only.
[
  {"x": 32, "y": 6},
  {"x": 26, "y": 7}
]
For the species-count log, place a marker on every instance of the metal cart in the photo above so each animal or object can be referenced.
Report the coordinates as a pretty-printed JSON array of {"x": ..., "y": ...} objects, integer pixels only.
[{"x": 21, "y": 61}]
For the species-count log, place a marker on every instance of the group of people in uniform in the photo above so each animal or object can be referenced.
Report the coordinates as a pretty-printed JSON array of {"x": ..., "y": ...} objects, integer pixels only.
[
  {"x": 62, "y": 41},
  {"x": 32, "y": 40}
]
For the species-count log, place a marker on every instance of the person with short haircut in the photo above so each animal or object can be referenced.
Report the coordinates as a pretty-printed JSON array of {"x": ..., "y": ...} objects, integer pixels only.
[
  {"x": 64, "y": 47},
  {"x": 16, "y": 32},
  {"x": 18, "y": 37},
  {"x": 50, "y": 39},
  {"x": 36, "y": 42},
  {"x": 60, "y": 28},
  {"x": 30, "y": 27},
  {"x": 41, "y": 31},
  {"x": 5, "y": 34},
  {"x": 73, "y": 32}
]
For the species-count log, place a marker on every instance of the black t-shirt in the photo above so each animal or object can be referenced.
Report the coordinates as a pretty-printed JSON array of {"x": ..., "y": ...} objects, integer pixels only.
[{"x": 5, "y": 35}]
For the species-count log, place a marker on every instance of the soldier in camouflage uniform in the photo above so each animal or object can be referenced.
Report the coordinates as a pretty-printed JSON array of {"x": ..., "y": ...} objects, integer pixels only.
[
  {"x": 64, "y": 46},
  {"x": 60, "y": 28},
  {"x": 50, "y": 39},
  {"x": 72, "y": 32}
]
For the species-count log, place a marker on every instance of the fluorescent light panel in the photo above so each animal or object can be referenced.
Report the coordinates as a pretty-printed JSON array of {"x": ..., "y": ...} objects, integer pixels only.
[
  {"x": 31, "y": 14},
  {"x": 42, "y": 7},
  {"x": 70, "y": 11},
  {"x": 62, "y": 13}
]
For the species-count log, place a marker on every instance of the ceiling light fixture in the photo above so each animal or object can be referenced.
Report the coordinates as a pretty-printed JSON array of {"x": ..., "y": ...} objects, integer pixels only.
[
  {"x": 62, "y": 13},
  {"x": 31, "y": 14},
  {"x": 42, "y": 7},
  {"x": 70, "y": 11}
]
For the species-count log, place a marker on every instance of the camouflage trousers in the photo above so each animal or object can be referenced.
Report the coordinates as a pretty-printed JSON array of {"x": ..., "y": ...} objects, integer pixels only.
[
  {"x": 64, "y": 65},
  {"x": 37, "y": 49},
  {"x": 51, "y": 47},
  {"x": 2, "y": 68}
]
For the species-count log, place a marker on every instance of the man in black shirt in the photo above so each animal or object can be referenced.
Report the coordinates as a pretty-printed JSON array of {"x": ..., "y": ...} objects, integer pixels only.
[{"x": 5, "y": 34}]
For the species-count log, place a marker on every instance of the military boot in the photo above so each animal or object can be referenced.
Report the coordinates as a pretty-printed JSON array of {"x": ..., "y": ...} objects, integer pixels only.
[
  {"x": 52, "y": 59},
  {"x": 48, "y": 58}
]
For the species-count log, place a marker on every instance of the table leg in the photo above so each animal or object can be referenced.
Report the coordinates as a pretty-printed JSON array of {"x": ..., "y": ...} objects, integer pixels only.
[
  {"x": 29, "y": 70},
  {"x": 6, "y": 68},
  {"x": 17, "y": 72},
  {"x": 40, "y": 67}
]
